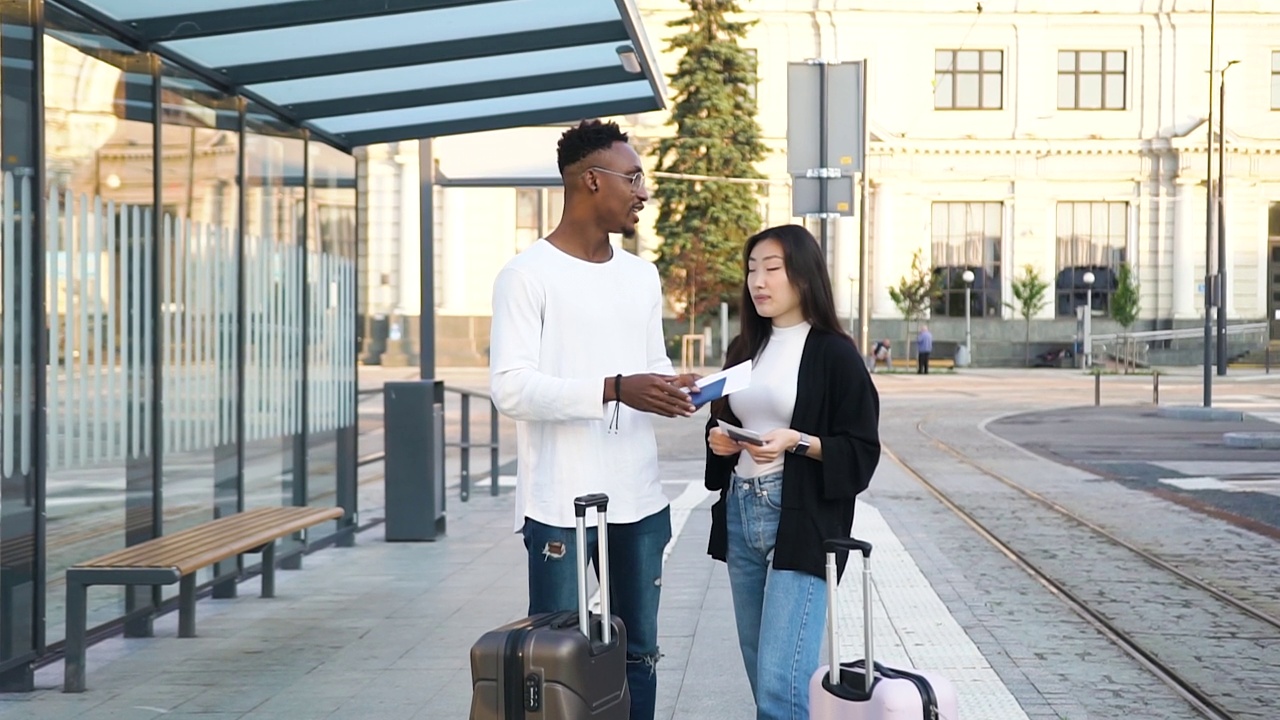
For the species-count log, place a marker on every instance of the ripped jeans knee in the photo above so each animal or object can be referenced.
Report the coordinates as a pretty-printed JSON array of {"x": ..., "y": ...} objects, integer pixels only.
[{"x": 650, "y": 659}]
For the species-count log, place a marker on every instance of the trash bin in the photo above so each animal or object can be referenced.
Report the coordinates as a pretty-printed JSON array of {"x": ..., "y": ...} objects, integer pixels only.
[{"x": 413, "y": 415}]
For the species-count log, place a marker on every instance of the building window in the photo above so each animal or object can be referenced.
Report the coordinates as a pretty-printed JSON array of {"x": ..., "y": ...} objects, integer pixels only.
[
  {"x": 555, "y": 207},
  {"x": 528, "y": 217},
  {"x": 967, "y": 236},
  {"x": 1091, "y": 80},
  {"x": 1092, "y": 237},
  {"x": 968, "y": 79},
  {"x": 1275, "y": 80}
]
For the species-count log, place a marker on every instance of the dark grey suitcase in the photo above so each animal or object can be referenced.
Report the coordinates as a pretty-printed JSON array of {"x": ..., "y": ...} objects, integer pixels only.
[{"x": 557, "y": 666}]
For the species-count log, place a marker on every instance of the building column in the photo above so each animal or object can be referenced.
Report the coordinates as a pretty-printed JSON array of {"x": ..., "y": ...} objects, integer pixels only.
[
  {"x": 882, "y": 250},
  {"x": 1188, "y": 241},
  {"x": 408, "y": 272},
  {"x": 457, "y": 224}
]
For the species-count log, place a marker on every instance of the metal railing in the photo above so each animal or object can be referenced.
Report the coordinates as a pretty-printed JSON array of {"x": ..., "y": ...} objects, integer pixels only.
[
  {"x": 1135, "y": 349},
  {"x": 464, "y": 443}
]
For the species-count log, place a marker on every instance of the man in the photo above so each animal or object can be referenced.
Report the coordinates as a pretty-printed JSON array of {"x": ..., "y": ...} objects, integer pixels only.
[
  {"x": 882, "y": 353},
  {"x": 579, "y": 361},
  {"x": 924, "y": 347}
]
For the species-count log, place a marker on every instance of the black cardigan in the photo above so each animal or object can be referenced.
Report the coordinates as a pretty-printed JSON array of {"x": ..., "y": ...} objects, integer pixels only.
[{"x": 837, "y": 402}]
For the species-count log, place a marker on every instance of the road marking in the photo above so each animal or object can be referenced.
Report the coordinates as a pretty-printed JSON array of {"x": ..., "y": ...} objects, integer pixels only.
[{"x": 693, "y": 496}]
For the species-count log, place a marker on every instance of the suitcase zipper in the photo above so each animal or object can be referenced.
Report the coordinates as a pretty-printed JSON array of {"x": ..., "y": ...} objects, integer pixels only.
[
  {"x": 514, "y": 682},
  {"x": 513, "y": 675}
]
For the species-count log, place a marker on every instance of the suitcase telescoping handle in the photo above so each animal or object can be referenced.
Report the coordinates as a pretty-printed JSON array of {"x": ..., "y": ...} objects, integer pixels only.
[
  {"x": 831, "y": 547},
  {"x": 600, "y": 502}
]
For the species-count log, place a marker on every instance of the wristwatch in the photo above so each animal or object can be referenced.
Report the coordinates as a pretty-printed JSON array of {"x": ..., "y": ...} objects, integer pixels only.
[{"x": 802, "y": 445}]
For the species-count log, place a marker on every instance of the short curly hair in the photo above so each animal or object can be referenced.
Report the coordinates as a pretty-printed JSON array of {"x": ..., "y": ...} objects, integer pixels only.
[{"x": 589, "y": 136}]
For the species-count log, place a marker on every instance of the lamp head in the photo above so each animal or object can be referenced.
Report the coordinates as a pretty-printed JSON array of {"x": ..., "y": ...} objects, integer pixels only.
[
  {"x": 1088, "y": 278},
  {"x": 967, "y": 276}
]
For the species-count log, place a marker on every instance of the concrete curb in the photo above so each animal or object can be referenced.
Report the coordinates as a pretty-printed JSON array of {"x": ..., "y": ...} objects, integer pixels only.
[
  {"x": 1195, "y": 412},
  {"x": 1254, "y": 440}
]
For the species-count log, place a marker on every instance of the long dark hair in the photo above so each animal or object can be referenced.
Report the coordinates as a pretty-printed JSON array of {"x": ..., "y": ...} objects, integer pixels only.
[{"x": 807, "y": 272}]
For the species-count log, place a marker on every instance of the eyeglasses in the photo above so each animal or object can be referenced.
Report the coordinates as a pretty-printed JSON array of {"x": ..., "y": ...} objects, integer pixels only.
[{"x": 637, "y": 179}]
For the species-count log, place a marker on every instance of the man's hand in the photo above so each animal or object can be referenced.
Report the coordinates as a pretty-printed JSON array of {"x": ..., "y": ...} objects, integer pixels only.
[
  {"x": 652, "y": 393},
  {"x": 723, "y": 445},
  {"x": 776, "y": 442}
]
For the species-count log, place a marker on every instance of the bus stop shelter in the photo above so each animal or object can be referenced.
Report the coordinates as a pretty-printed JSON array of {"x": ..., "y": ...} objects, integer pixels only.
[{"x": 273, "y": 96}]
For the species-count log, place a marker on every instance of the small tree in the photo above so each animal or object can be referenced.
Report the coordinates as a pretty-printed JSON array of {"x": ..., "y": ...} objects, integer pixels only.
[
  {"x": 1029, "y": 292},
  {"x": 915, "y": 293},
  {"x": 1125, "y": 301}
]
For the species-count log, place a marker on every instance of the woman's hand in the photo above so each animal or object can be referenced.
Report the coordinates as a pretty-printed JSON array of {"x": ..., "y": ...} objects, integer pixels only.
[
  {"x": 776, "y": 442},
  {"x": 721, "y": 444}
]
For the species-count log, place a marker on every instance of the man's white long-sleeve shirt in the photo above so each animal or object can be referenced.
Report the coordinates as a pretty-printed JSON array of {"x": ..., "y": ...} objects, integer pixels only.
[{"x": 562, "y": 325}]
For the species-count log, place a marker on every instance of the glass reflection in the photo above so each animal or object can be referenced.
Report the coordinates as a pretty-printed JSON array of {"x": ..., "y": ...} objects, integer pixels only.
[
  {"x": 198, "y": 288},
  {"x": 331, "y": 295},
  {"x": 99, "y": 240},
  {"x": 274, "y": 184},
  {"x": 21, "y": 587}
]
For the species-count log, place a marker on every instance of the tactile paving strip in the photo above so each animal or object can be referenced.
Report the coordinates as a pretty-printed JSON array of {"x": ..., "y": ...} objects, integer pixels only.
[{"x": 912, "y": 626}]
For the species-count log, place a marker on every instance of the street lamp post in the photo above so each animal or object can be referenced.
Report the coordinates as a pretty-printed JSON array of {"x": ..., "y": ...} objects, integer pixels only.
[
  {"x": 1222, "y": 223},
  {"x": 968, "y": 307},
  {"x": 1210, "y": 207},
  {"x": 853, "y": 331},
  {"x": 1088, "y": 319}
]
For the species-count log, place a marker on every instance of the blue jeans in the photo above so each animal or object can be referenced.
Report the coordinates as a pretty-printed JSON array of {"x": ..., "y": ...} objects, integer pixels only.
[
  {"x": 781, "y": 614},
  {"x": 635, "y": 562}
]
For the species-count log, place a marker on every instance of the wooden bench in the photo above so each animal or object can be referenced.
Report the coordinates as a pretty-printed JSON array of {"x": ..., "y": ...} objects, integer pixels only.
[{"x": 176, "y": 558}]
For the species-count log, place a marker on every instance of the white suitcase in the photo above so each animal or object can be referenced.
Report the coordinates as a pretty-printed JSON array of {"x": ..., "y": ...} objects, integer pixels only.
[{"x": 889, "y": 693}]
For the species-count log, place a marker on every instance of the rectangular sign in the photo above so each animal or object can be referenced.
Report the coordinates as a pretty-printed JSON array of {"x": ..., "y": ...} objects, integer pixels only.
[
  {"x": 806, "y": 196},
  {"x": 842, "y": 123}
]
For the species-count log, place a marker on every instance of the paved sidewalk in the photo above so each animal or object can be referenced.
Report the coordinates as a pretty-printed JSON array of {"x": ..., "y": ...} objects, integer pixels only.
[{"x": 382, "y": 630}]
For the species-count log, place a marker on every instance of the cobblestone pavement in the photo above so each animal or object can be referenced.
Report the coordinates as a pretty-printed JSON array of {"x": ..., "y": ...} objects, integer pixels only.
[{"x": 1181, "y": 624}]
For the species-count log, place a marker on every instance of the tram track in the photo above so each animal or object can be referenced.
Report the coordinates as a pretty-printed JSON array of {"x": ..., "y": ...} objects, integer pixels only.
[{"x": 1156, "y": 636}]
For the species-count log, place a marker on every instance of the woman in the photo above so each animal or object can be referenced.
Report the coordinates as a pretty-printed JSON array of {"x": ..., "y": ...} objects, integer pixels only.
[{"x": 812, "y": 402}]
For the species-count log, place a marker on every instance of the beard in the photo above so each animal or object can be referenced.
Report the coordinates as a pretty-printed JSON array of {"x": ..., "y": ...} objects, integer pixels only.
[{"x": 629, "y": 233}]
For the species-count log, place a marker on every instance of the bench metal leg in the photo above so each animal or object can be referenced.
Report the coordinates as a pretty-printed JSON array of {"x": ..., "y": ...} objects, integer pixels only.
[
  {"x": 77, "y": 611},
  {"x": 187, "y": 606},
  {"x": 138, "y": 596},
  {"x": 20, "y": 678},
  {"x": 226, "y": 589},
  {"x": 269, "y": 570}
]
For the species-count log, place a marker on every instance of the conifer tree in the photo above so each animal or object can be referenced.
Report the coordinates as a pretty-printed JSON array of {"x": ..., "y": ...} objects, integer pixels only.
[{"x": 704, "y": 224}]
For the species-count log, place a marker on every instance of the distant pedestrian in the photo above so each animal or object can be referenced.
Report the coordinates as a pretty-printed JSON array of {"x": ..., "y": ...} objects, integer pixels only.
[
  {"x": 812, "y": 401},
  {"x": 882, "y": 353},
  {"x": 924, "y": 348}
]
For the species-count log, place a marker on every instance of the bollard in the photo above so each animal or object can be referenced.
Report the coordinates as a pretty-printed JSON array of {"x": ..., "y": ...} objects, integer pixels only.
[
  {"x": 1155, "y": 388},
  {"x": 1267, "y": 359},
  {"x": 1097, "y": 389}
]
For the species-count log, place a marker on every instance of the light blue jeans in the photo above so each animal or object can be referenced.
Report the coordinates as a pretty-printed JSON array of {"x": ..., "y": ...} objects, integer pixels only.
[{"x": 781, "y": 614}]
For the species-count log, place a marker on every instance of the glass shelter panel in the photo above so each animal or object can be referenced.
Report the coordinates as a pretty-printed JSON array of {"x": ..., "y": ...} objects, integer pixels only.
[
  {"x": 274, "y": 186},
  {"x": 198, "y": 302},
  {"x": 331, "y": 239},
  {"x": 99, "y": 239},
  {"x": 22, "y": 588}
]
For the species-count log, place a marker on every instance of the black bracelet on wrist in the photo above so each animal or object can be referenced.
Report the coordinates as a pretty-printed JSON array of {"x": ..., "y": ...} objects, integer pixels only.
[{"x": 617, "y": 402}]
